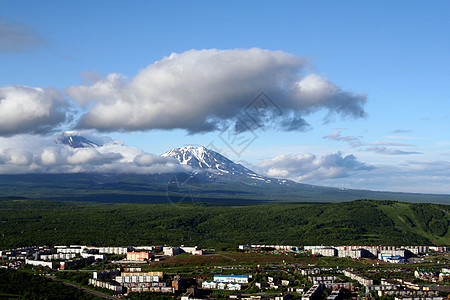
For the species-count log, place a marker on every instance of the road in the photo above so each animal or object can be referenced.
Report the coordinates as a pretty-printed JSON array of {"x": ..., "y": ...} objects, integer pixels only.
[{"x": 85, "y": 290}]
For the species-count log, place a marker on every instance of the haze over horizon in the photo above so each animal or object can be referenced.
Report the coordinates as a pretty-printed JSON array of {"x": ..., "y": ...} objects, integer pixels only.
[{"x": 350, "y": 95}]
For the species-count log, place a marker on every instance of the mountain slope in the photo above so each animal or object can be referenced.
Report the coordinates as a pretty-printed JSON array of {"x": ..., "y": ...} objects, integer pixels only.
[
  {"x": 75, "y": 141},
  {"x": 218, "y": 167},
  {"x": 206, "y": 160}
]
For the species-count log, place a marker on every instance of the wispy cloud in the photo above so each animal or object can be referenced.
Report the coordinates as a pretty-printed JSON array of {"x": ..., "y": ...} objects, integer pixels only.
[
  {"x": 388, "y": 143},
  {"x": 404, "y": 137},
  {"x": 401, "y": 131},
  {"x": 389, "y": 151},
  {"x": 18, "y": 37},
  {"x": 379, "y": 147},
  {"x": 351, "y": 140}
]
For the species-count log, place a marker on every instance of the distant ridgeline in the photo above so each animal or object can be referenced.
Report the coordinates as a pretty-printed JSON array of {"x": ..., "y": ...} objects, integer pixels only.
[
  {"x": 27, "y": 222},
  {"x": 209, "y": 187}
]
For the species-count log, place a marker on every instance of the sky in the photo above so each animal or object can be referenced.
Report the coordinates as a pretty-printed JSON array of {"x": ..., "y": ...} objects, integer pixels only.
[{"x": 351, "y": 94}]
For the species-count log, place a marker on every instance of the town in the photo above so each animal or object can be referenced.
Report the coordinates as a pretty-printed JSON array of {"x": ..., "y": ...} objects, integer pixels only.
[{"x": 276, "y": 272}]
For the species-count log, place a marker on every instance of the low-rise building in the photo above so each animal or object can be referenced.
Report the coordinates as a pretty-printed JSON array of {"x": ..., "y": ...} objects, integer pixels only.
[
  {"x": 107, "y": 285},
  {"x": 444, "y": 274},
  {"x": 335, "y": 295},
  {"x": 328, "y": 251},
  {"x": 200, "y": 252},
  {"x": 144, "y": 282},
  {"x": 321, "y": 279},
  {"x": 64, "y": 265},
  {"x": 261, "y": 284},
  {"x": 141, "y": 256},
  {"x": 231, "y": 278},
  {"x": 58, "y": 256},
  {"x": 286, "y": 282},
  {"x": 189, "y": 250},
  {"x": 426, "y": 275},
  {"x": 75, "y": 250},
  {"x": 114, "y": 250},
  {"x": 177, "y": 282},
  {"x": 354, "y": 253},
  {"x": 313, "y": 292},
  {"x": 207, "y": 285},
  {"x": 282, "y": 297},
  {"x": 231, "y": 286},
  {"x": 171, "y": 251},
  {"x": 306, "y": 272},
  {"x": 363, "y": 280},
  {"x": 273, "y": 279},
  {"x": 296, "y": 290},
  {"x": 41, "y": 263}
]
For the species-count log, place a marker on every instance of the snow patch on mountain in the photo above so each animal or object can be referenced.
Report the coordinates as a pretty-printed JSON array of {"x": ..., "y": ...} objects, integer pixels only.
[{"x": 204, "y": 160}]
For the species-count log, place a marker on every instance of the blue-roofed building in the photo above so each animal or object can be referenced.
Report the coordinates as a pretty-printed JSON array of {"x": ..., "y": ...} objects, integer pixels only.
[
  {"x": 209, "y": 284},
  {"x": 392, "y": 258},
  {"x": 231, "y": 278}
]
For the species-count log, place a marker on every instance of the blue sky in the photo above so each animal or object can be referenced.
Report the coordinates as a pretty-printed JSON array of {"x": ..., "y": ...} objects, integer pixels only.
[{"x": 389, "y": 58}]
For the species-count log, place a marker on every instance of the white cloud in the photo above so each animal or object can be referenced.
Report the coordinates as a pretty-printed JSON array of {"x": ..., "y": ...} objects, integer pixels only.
[
  {"x": 310, "y": 168},
  {"x": 30, "y": 110},
  {"x": 18, "y": 157},
  {"x": 36, "y": 154},
  {"x": 199, "y": 90}
]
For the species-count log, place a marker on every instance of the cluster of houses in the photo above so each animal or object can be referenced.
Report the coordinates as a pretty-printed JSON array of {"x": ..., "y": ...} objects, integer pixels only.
[
  {"x": 64, "y": 257},
  {"x": 120, "y": 281},
  {"x": 124, "y": 280},
  {"x": 431, "y": 275}
]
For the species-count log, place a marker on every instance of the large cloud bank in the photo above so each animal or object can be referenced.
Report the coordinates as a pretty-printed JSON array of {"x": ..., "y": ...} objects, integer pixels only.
[
  {"x": 35, "y": 154},
  {"x": 199, "y": 90},
  {"x": 30, "y": 110}
]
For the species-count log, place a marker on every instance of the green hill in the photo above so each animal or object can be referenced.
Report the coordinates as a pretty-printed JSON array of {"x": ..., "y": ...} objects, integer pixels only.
[{"x": 364, "y": 222}]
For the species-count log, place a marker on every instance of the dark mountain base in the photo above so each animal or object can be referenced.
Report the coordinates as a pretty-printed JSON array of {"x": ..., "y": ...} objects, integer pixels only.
[{"x": 155, "y": 188}]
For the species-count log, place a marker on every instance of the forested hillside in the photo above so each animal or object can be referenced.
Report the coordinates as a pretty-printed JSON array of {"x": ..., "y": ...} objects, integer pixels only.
[{"x": 38, "y": 222}]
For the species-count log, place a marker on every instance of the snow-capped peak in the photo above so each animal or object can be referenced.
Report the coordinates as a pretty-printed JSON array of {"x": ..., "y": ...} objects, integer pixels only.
[{"x": 203, "y": 159}]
